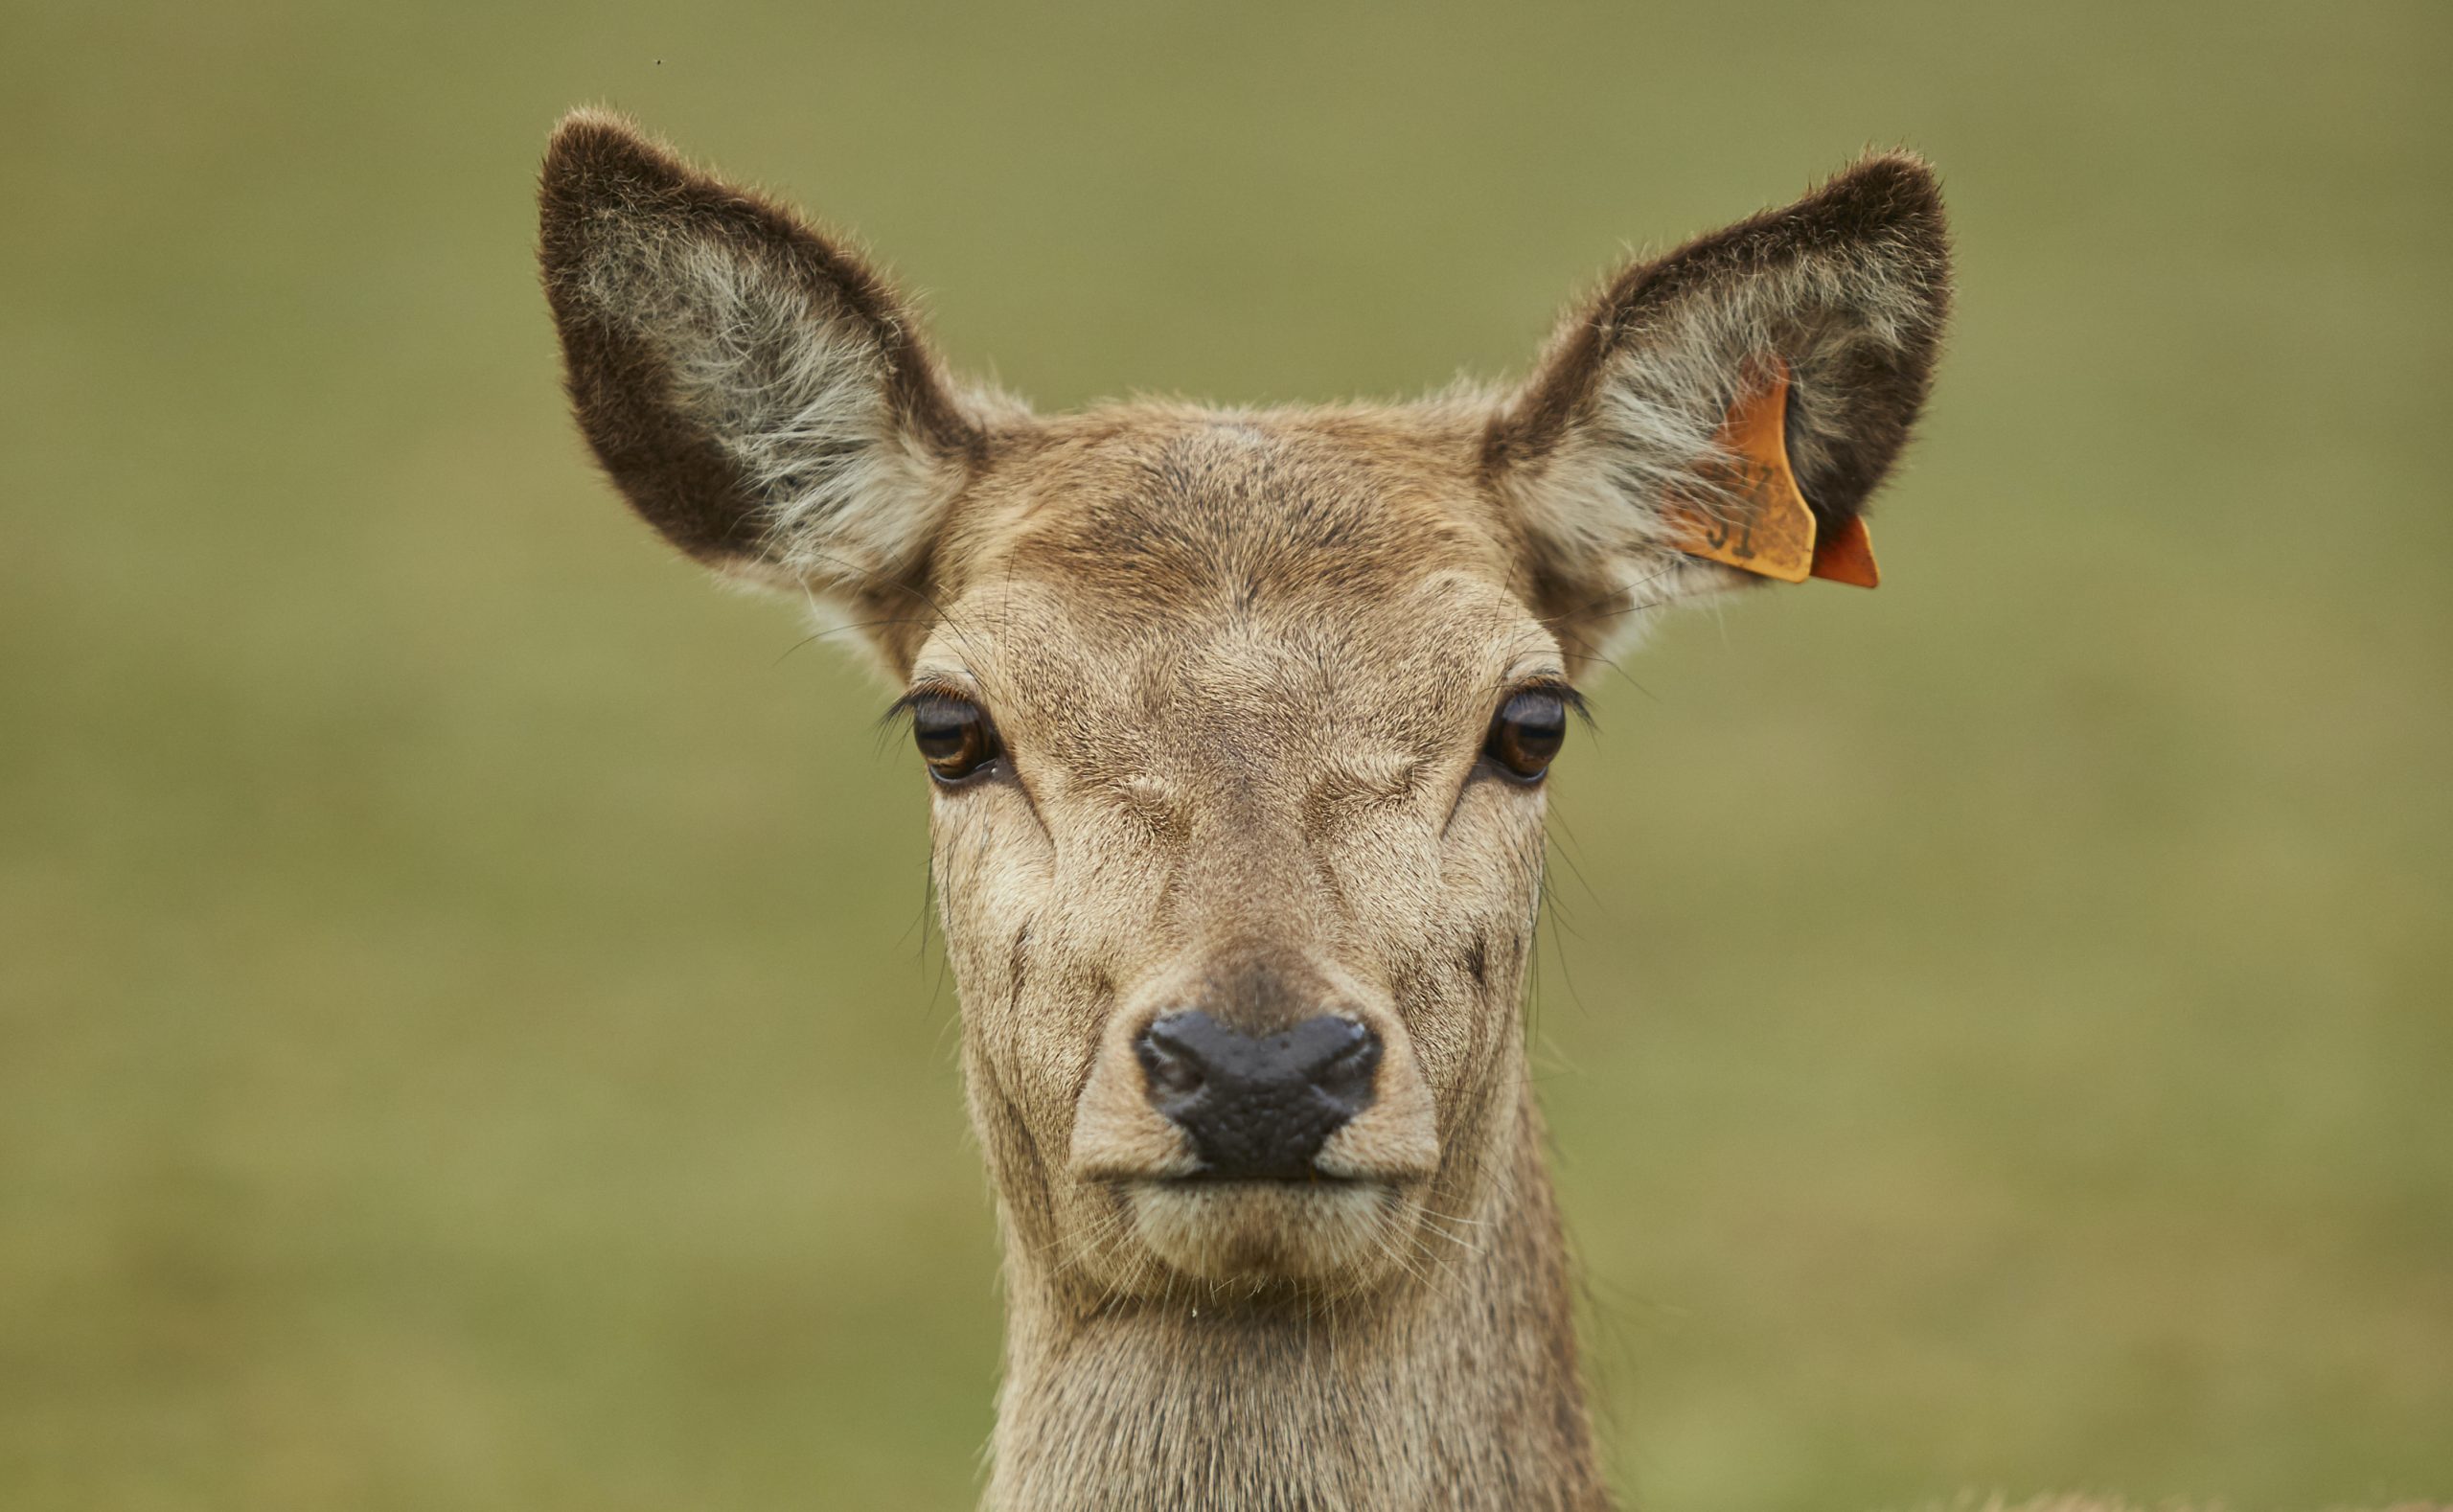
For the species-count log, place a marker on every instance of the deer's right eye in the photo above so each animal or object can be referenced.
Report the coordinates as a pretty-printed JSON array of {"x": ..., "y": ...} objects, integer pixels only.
[{"x": 954, "y": 736}]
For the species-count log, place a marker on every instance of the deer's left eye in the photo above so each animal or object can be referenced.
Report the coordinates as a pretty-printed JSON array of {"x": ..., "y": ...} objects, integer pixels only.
[
  {"x": 1526, "y": 733},
  {"x": 954, "y": 736}
]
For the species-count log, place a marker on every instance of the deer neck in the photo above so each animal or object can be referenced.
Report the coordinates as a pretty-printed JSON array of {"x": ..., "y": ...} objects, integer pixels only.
[{"x": 1456, "y": 1388}]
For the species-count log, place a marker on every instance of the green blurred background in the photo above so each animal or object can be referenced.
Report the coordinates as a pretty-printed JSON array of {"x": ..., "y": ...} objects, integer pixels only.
[{"x": 467, "y": 1033}]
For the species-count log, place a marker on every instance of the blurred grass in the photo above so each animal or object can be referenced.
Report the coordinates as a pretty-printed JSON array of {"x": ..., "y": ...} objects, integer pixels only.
[{"x": 467, "y": 1036}]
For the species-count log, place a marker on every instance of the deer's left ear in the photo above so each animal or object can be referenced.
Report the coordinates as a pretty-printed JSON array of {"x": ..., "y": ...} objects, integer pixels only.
[{"x": 1622, "y": 438}]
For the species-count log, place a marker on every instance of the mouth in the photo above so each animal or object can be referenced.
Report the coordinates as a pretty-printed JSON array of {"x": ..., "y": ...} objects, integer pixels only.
[
  {"x": 1195, "y": 1180},
  {"x": 1327, "y": 1230}
]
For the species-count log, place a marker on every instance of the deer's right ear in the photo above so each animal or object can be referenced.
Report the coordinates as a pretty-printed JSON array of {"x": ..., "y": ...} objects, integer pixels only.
[{"x": 755, "y": 390}]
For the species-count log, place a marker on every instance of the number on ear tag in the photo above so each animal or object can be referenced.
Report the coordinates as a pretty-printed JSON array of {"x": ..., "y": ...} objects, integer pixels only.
[{"x": 1754, "y": 517}]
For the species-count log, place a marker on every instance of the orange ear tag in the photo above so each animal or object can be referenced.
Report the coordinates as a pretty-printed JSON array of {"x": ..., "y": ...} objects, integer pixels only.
[
  {"x": 1847, "y": 555},
  {"x": 1758, "y": 522}
]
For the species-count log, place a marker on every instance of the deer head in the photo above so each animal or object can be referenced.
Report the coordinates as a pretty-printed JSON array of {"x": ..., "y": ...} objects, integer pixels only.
[{"x": 1236, "y": 721}]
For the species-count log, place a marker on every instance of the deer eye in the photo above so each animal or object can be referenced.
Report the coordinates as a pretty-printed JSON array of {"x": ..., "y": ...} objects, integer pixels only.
[
  {"x": 1526, "y": 733},
  {"x": 954, "y": 736}
]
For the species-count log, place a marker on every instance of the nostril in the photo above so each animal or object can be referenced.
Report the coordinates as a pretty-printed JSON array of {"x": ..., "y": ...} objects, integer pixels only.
[
  {"x": 1175, "y": 1069},
  {"x": 1345, "y": 1076}
]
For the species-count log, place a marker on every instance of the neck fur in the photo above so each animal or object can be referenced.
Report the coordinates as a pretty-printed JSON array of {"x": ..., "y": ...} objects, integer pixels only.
[{"x": 1456, "y": 1388}]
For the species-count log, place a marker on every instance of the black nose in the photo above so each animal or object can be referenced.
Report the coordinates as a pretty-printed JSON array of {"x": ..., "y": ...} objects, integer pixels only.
[{"x": 1259, "y": 1107}]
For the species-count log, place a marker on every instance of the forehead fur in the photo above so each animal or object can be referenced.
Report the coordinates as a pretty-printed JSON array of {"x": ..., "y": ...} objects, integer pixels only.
[{"x": 1150, "y": 513}]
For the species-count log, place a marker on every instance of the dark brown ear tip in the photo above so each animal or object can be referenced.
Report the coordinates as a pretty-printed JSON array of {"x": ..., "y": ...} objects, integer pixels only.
[
  {"x": 596, "y": 154},
  {"x": 1894, "y": 166},
  {"x": 1897, "y": 190},
  {"x": 594, "y": 134},
  {"x": 599, "y": 164}
]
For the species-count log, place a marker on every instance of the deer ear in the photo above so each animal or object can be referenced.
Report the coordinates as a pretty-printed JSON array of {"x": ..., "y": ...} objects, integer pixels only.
[
  {"x": 755, "y": 389},
  {"x": 1623, "y": 432}
]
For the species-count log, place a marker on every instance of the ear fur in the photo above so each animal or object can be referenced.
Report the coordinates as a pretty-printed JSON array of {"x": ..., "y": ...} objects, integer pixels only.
[
  {"x": 755, "y": 389},
  {"x": 1850, "y": 286}
]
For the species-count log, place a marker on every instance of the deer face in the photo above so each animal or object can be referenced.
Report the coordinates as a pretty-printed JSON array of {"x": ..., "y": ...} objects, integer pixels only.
[
  {"x": 1236, "y": 723},
  {"x": 1240, "y": 887}
]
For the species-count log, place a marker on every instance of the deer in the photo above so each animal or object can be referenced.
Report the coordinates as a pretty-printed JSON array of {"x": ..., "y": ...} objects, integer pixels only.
[{"x": 1236, "y": 723}]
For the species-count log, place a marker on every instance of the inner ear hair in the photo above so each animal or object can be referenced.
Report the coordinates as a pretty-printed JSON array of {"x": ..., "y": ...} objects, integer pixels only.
[
  {"x": 1850, "y": 286},
  {"x": 754, "y": 388}
]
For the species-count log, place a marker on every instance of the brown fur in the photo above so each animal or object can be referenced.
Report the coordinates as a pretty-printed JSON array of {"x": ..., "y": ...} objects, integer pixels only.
[{"x": 1242, "y": 663}]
